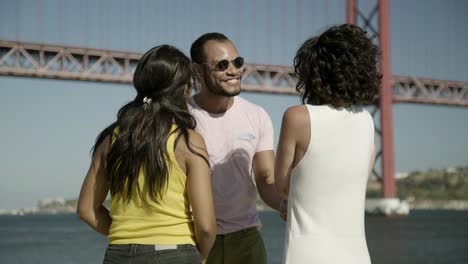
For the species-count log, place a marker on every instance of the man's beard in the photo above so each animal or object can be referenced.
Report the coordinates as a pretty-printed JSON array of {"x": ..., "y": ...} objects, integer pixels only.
[{"x": 210, "y": 85}]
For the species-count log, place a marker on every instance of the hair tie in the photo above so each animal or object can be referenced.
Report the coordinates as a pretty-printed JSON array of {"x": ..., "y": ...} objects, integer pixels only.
[{"x": 147, "y": 100}]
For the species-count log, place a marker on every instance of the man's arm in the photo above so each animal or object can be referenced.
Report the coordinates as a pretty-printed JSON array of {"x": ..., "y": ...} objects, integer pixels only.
[{"x": 263, "y": 168}]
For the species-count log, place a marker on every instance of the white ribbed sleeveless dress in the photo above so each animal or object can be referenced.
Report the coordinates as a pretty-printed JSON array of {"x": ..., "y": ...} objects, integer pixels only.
[{"x": 327, "y": 189}]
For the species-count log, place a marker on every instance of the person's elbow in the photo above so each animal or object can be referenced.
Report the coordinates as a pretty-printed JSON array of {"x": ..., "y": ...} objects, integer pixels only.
[{"x": 207, "y": 229}]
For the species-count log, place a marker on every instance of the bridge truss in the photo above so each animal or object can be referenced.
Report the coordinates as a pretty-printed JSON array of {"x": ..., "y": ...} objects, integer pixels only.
[{"x": 73, "y": 63}]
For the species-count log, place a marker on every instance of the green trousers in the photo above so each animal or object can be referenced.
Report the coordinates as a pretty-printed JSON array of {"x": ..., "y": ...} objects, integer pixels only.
[{"x": 242, "y": 247}]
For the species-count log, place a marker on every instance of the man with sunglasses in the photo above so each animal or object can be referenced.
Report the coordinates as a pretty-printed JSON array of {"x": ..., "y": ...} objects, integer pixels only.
[{"x": 239, "y": 138}]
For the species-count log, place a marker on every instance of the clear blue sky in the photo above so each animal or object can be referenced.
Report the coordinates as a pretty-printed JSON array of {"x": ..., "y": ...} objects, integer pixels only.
[{"x": 49, "y": 126}]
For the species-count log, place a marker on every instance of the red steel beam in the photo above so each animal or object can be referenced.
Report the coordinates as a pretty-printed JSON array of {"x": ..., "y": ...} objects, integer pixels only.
[
  {"x": 408, "y": 89},
  {"x": 386, "y": 113},
  {"x": 60, "y": 62},
  {"x": 382, "y": 32},
  {"x": 351, "y": 12}
]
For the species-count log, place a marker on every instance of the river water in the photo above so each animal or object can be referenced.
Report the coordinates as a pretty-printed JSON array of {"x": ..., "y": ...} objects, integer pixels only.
[{"x": 426, "y": 237}]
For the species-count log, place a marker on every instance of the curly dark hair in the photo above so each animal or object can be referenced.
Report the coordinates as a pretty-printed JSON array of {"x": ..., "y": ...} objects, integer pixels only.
[{"x": 339, "y": 68}]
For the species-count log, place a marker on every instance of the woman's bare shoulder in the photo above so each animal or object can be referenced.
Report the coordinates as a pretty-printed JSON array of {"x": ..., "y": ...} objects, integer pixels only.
[
  {"x": 296, "y": 116},
  {"x": 196, "y": 141},
  {"x": 196, "y": 138}
]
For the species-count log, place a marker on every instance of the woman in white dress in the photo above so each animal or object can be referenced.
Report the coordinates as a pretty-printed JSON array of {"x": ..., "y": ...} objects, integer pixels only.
[{"x": 326, "y": 148}]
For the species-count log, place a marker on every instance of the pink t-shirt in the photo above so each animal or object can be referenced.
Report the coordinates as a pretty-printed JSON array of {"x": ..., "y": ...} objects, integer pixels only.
[{"x": 232, "y": 139}]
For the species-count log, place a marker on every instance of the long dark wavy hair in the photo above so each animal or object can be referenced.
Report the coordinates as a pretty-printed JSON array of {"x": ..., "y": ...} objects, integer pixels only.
[
  {"x": 339, "y": 67},
  {"x": 139, "y": 136}
]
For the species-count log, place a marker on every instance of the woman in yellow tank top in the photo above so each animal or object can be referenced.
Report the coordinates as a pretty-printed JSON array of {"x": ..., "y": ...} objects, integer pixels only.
[{"x": 155, "y": 167}]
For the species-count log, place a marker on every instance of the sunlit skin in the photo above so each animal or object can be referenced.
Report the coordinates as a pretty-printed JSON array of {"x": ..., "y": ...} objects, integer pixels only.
[{"x": 218, "y": 87}]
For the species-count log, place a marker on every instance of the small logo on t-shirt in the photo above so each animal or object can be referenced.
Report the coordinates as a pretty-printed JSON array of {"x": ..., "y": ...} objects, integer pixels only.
[{"x": 246, "y": 136}]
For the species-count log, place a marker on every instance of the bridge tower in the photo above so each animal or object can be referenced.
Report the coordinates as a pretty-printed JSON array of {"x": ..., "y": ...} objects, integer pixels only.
[{"x": 356, "y": 16}]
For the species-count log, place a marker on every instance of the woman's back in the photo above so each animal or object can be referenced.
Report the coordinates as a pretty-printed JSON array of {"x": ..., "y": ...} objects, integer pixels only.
[
  {"x": 143, "y": 221},
  {"x": 327, "y": 188},
  {"x": 154, "y": 176}
]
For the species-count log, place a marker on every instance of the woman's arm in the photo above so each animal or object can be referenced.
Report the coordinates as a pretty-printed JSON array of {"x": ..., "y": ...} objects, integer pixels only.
[
  {"x": 93, "y": 193},
  {"x": 285, "y": 155},
  {"x": 200, "y": 194}
]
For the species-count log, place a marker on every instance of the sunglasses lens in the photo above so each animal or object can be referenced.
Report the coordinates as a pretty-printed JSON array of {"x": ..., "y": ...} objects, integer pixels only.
[
  {"x": 222, "y": 65},
  {"x": 238, "y": 62}
]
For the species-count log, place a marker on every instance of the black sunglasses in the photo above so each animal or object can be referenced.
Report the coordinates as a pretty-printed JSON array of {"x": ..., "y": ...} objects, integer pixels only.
[{"x": 223, "y": 65}]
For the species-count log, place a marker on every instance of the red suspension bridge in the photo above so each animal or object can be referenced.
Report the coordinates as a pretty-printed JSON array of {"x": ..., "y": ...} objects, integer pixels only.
[{"x": 99, "y": 65}]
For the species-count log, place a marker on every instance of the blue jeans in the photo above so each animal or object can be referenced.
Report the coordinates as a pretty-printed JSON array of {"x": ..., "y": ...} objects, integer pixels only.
[{"x": 146, "y": 254}]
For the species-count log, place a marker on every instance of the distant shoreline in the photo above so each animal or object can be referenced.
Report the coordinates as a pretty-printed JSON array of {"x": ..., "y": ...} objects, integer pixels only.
[
  {"x": 455, "y": 205},
  {"x": 69, "y": 207},
  {"x": 442, "y": 189}
]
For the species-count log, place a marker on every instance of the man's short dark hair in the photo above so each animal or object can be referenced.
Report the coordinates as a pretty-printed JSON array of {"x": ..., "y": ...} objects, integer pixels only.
[
  {"x": 339, "y": 68},
  {"x": 196, "y": 50}
]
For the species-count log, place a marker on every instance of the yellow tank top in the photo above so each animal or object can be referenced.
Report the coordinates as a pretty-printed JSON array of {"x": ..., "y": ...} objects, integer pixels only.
[{"x": 145, "y": 222}]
